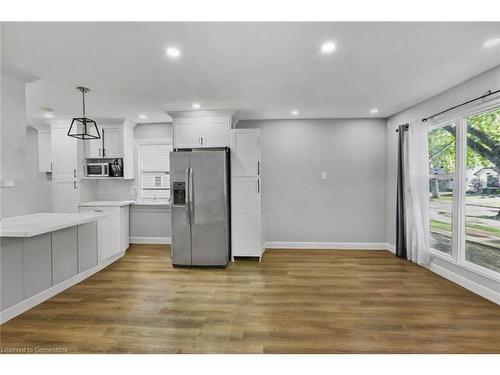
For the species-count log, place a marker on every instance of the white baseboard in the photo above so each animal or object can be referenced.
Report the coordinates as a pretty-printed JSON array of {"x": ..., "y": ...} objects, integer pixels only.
[
  {"x": 44, "y": 295},
  {"x": 391, "y": 248},
  {"x": 466, "y": 283},
  {"x": 327, "y": 245},
  {"x": 151, "y": 240}
]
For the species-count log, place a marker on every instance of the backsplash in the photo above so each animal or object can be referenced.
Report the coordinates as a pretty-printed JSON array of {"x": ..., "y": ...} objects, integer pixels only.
[{"x": 116, "y": 190}]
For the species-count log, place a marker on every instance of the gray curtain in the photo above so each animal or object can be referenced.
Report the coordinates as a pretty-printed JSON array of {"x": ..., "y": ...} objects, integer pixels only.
[{"x": 400, "y": 206}]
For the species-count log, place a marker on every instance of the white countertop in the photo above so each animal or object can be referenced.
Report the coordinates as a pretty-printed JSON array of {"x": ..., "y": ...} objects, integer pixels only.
[
  {"x": 35, "y": 224},
  {"x": 106, "y": 203}
]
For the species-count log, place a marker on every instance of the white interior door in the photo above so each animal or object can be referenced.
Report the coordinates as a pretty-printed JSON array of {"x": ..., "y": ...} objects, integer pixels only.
[{"x": 245, "y": 152}]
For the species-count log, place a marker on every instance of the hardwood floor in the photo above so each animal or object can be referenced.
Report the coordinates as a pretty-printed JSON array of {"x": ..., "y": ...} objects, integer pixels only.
[{"x": 310, "y": 301}]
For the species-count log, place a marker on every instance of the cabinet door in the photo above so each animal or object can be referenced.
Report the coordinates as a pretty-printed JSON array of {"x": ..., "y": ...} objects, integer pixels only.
[
  {"x": 44, "y": 152},
  {"x": 108, "y": 231},
  {"x": 93, "y": 148},
  {"x": 37, "y": 264},
  {"x": 215, "y": 132},
  {"x": 65, "y": 193},
  {"x": 187, "y": 134},
  {"x": 87, "y": 246},
  {"x": 246, "y": 217},
  {"x": 245, "y": 152},
  {"x": 113, "y": 143},
  {"x": 64, "y": 153},
  {"x": 65, "y": 196},
  {"x": 11, "y": 271},
  {"x": 124, "y": 228},
  {"x": 64, "y": 254}
]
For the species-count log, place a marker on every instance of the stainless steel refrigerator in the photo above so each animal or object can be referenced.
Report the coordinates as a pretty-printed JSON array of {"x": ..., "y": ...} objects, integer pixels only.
[{"x": 199, "y": 182}]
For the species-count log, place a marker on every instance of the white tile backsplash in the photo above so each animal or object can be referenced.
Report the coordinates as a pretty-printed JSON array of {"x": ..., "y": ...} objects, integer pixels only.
[{"x": 116, "y": 190}]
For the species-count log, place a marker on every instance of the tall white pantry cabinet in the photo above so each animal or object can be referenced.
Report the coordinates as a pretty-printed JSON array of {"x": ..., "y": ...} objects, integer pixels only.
[{"x": 246, "y": 194}]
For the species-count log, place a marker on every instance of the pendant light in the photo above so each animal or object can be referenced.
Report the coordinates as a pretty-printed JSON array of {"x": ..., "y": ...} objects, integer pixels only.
[{"x": 83, "y": 127}]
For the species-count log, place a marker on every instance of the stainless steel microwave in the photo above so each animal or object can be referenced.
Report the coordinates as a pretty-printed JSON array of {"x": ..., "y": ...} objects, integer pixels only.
[{"x": 97, "y": 169}]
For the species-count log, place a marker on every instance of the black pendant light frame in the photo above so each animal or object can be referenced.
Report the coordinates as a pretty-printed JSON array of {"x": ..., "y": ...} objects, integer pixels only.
[{"x": 86, "y": 123}]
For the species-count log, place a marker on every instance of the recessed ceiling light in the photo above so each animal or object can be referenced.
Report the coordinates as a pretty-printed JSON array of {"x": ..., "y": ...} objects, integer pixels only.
[
  {"x": 490, "y": 43},
  {"x": 196, "y": 106},
  {"x": 48, "y": 115},
  {"x": 295, "y": 112},
  {"x": 173, "y": 52},
  {"x": 373, "y": 111},
  {"x": 143, "y": 117},
  {"x": 328, "y": 47}
]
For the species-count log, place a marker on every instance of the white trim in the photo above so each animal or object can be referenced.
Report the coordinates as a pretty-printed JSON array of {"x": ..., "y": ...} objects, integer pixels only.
[
  {"x": 391, "y": 248},
  {"x": 44, "y": 295},
  {"x": 327, "y": 245},
  {"x": 466, "y": 283},
  {"x": 150, "y": 240},
  {"x": 468, "y": 266}
]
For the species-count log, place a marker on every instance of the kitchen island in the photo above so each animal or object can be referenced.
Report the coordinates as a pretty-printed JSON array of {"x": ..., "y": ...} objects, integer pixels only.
[{"x": 43, "y": 254}]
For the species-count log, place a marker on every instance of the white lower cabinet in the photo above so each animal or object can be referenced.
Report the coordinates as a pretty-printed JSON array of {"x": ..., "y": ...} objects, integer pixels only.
[
  {"x": 246, "y": 232},
  {"x": 113, "y": 230}
]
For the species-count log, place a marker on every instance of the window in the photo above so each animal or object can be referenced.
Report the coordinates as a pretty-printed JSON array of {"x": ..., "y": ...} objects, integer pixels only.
[
  {"x": 154, "y": 171},
  {"x": 482, "y": 200},
  {"x": 464, "y": 189},
  {"x": 442, "y": 166}
]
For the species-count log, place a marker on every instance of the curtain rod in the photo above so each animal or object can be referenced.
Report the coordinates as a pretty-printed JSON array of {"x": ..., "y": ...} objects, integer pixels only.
[
  {"x": 405, "y": 127},
  {"x": 486, "y": 94}
]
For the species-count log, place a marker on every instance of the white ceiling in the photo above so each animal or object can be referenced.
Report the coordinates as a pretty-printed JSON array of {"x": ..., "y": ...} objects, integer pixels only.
[{"x": 261, "y": 70}]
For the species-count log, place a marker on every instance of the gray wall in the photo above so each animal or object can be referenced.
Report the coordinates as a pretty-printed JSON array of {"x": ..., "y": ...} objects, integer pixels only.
[
  {"x": 476, "y": 86},
  {"x": 19, "y": 156},
  {"x": 301, "y": 207}
]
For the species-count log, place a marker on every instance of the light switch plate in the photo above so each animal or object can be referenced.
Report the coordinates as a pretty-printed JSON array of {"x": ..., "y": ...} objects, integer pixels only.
[{"x": 323, "y": 175}]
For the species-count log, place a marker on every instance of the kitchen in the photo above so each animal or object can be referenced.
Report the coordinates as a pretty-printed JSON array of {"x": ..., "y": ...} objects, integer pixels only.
[{"x": 150, "y": 207}]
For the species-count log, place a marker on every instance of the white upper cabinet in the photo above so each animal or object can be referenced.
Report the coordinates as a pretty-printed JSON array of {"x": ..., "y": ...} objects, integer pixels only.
[
  {"x": 109, "y": 146},
  {"x": 245, "y": 152},
  {"x": 93, "y": 148},
  {"x": 215, "y": 132},
  {"x": 202, "y": 131},
  {"x": 113, "y": 143},
  {"x": 44, "y": 151},
  {"x": 187, "y": 134}
]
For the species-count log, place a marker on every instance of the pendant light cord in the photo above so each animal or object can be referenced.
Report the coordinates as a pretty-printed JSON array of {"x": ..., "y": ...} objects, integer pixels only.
[{"x": 83, "y": 102}]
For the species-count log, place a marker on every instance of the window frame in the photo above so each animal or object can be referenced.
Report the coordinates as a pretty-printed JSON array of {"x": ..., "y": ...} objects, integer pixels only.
[
  {"x": 453, "y": 176},
  {"x": 143, "y": 142},
  {"x": 459, "y": 118}
]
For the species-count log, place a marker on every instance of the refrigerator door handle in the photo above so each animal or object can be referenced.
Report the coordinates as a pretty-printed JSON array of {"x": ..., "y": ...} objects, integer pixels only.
[
  {"x": 187, "y": 201},
  {"x": 191, "y": 195}
]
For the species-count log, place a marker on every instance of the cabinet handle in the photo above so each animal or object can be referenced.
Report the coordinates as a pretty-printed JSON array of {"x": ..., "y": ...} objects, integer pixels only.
[
  {"x": 51, "y": 167},
  {"x": 103, "y": 152},
  {"x": 74, "y": 184},
  {"x": 74, "y": 172},
  {"x": 97, "y": 210},
  {"x": 258, "y": 186},
  {"x": 202, "y": 141},
  {"x": 258, "y": 168}
]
